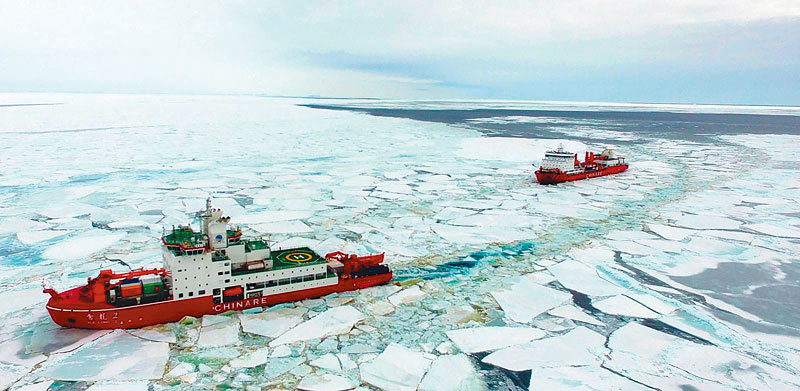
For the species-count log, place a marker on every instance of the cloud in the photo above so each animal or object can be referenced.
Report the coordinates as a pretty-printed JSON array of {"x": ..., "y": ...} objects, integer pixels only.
[{"x": 525, "y": 49}]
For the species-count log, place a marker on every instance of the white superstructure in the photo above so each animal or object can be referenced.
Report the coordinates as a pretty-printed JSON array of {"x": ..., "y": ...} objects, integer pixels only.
[
  {"x": 217, "y": 260},
  {"x": 558, "y": 159}
]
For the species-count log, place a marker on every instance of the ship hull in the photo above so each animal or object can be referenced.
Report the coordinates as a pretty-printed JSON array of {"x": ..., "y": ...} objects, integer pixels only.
[
  {"x": 104, "y": 316},
  {"x": 550, "y": 178}
]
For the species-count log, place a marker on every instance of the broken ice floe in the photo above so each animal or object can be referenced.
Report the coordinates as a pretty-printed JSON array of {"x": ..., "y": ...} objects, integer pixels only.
[
  {"x": 325, "y": 382},
  {"x": 451, "y": 373},
  {"x": 219, "y": 331},
  {"x": 580, "y": 346},
  {"x": 585, "y": 279},
  {"x": 673, "y": 231},
  {"x": 664, "y": 361},
  {"x": 272, "y": 323},
  {"x": 116, "y": 356},
  {"x": 333, "y": 321},
  {"x": 623, "y": 305},
  {"x": 525, "y": 299},
  {"x": 397, "y": 368},
  {"x": 482, "y": 339}
]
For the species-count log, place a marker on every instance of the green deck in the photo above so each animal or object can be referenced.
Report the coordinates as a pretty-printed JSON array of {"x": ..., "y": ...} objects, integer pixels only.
[
  {"x": 289, "y": 258},
  {"x": 184, "y": 236}
]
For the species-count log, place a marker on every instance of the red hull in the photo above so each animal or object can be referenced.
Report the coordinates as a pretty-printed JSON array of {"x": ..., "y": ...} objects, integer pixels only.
[
  {"x": 549, "y": 178},
  {"x": 69, "y": 312}
]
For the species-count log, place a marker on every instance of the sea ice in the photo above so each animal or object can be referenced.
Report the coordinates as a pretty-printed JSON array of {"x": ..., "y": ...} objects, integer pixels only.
[
  {"x": 482, "y": 339},
  {"x": 525, "y": 299},
  {"x": 773, "y": 230},
  {"x": 325, "y": 382},
  {"x": 327, "y": 361},
  {"x": 251, "y": 359},
  {"x": 572, "y": 312},
  {"x": 381, "y": 308},
  {"x": 667, "y": 246},
  {"x": 488, "y": 219},
  {"x": 480, "y": 235},
  {"x": 119, "y": 386},
  {"x": 124, "y": 357},
  {"x": 221, "y": 333},
  {"x": 273, "y": 216},
  {"x": 451, "y": 373},
  {"x": 158, "y": 333},
  {"x": 580, "y": 346},
  {"x": 279, "y": 366},
  {"x": 128, "y": 224},
  {"x": 272, "y": 323},
  {"x": 581, "y": 378},
  {"x": 513, "y": 149},
  {"x": 631, "y": 247},
  {"x": 70, "y": 210},
  {"x": 14, "y": 224},
  {"x": 669, "y": 232},
  {"x": 592, "y": 255},
  {"x": 407, "y": 296},
  {"x": 282, "y": 227},
  {"x": 623, "y": 305},
  {"x": 10, "y": 374},
  {"x": 629, "y": 235},
  {"x": 708, "y": 246},
  {"x": 707, "y": 222},
  {"x": 82, "y": 246},
  {"x": 338, "y": 320},
  {"x": 281, "y": 351},
  {"x": 51, "y": 338},
  {"x": 347, "y": 363},
  {"x": 17, "y": 298},
  {"x": 33, "y": 237},
  {"x": 667, "y": 362},
  {"x": 40, "y": 386},
  {"x": 396, "y": 369},
  {"x": 180, "y": 370},
  {"x": 585, "y": 279},
  {"x": 12, "y": 351}
]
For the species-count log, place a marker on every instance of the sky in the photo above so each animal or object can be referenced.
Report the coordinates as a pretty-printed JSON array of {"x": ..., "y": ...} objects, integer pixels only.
[{"x": 726, "y": 51}]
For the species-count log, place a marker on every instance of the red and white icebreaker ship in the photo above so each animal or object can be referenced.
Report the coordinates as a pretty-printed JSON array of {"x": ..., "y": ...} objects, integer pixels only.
[
  {"x": 208, "y": 272},
  {"x": 562, "y": 166}
]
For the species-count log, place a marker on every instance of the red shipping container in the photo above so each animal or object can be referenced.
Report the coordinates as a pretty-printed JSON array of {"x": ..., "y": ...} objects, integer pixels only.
[{"x": 131, "y": 290}]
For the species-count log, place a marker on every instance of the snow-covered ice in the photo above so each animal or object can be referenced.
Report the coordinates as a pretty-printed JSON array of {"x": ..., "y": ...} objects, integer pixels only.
[
  {"x": 580, "y": 346},
  {"x": 325, "y": 382},
  {"x": 585, "y": 279},
  {"x": 451, "y": 373},
  {"x": 116, "y": 356},
  {"x": 272, "y": 323},
  {"x": 482, "y": 339},
  {"x": 525, "y": 299},
  {"x": 701, "y": 250},
  {"x": 338, "y": 320},
  {"x": 397, "y": 368}
]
